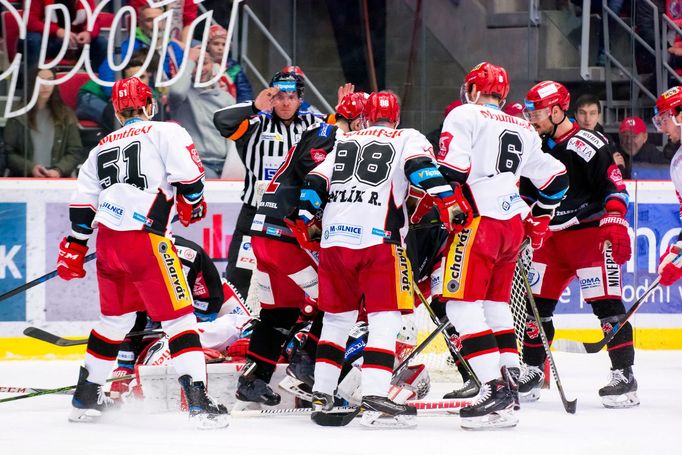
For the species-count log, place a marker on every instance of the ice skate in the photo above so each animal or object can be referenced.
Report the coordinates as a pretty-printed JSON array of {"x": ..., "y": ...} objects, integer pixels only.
[
  {"x": 493, "y": 408},
  {"x": 380, "y": 412},
  {"x": 256, "y": 390},
  {"x": 204, "y": 412},
  {"x": 530, "y": 384},
  {"x": 468, "y": 390},
  {"x": 302, "y": 367},
  {"x": 621, "y": 392},
  {"x": 89, "y": 400}
]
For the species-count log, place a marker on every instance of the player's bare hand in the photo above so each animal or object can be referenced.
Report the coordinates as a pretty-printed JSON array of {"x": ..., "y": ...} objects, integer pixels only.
[
  {"x": 266, "y": 99},
  {"x": 52, "y": 173},
  {"x": 344, "y": 90},
  {"x": 39, "y": 171},
  {"x": 83, "y": 37},
  {"x": 618, "y": 159}
]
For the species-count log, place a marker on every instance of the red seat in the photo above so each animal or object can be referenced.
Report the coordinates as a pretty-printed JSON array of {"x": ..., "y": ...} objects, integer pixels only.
[
  {"x": 10, "y": 29},
  {"x": 105, "y": 19}
]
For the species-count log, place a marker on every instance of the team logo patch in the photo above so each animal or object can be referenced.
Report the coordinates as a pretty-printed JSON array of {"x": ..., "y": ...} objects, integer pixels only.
[
  {"x": 606, "y": 327},
  {"x": 112, "y": 211},
  {"x": 532, "y": 329},
  {"x": 580, "y": 147},
  {"x": 616, "y": 177},
  {"x": 457, "y": 341},
  {"x": 195, "y": 157},
  {"x": 318, "y": 155},
  {"x": 444, "y": 145},
  {"x": 345, "y": 233}
]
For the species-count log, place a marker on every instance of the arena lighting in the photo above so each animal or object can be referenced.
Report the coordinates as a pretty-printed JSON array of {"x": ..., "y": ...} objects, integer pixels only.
[{"x": 12, "y": 72}]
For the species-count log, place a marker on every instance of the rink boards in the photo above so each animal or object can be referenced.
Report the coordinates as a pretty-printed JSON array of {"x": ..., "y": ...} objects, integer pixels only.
[{"x": 34, "y": 218}]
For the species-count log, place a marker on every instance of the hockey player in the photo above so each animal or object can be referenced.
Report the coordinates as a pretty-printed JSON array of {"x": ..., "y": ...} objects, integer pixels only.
[
  {"x": 264, "y": 130},
  {"x": 359, "y": 191},
  {"x": 668, "y": 120},
  {"x": 486, "y": 151},
  {"x": 588, "y": 238},
  {"x": 286, "y": 273},
  {"x": 130, "y": 187}
]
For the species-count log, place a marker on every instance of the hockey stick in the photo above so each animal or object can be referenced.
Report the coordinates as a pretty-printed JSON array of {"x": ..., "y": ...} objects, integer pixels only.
[
  {"x": 569, "y": 406},
  {"x": 48, "y": 276},
  {"x": 420, "y": 348},
  {"x": 448, "y": 341},
  {"x": 424, "y": 406},
  {"x": 12, "y": 389},
  {"x": 42, "y": 335},
  {"x": 59, "y": 390}
]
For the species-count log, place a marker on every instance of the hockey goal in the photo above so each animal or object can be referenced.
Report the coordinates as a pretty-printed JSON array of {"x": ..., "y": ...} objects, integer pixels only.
[{"x": 436, "y": 356}]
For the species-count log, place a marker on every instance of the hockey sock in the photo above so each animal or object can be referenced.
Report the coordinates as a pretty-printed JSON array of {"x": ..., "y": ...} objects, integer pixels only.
[
  {"x": 103, "y": 344},
  {"x": 499, "y": 317},
  {"x": 479, "y": 346},
  {"x": 185, "y": 347},
  {"x": 621, "y": 349},
  {"x": 379, "y": 354},
  {"x": 533, "y": 351},
  {"x": 331, "y": 350},
  {"x": 314, "y": 333},
  {"x": 267, "y": 338}
]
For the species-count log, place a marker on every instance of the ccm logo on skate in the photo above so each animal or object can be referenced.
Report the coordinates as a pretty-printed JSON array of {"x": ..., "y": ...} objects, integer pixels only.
[
  {"x": 169, "y": 262},
  {"x": 458, "y": 263}
]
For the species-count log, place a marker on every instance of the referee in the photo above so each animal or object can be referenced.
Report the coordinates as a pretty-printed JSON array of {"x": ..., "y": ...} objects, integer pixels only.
[{"x": 264, "y": 130}]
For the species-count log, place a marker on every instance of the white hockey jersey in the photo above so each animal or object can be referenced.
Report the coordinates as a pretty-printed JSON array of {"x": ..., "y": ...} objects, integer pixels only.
[
  {"x": 495, "y": 149},
  {"x": 676, "y": 176},
  {"x": 366, "y": 177},
  {"x": 129, "y": 180}
]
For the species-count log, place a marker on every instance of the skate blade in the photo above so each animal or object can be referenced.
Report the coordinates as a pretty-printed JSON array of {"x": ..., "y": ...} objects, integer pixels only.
[
  {"x": 84, "y": 415},
  {"x": 627, "y": 400},
  {"x": 210, "y": 422},
  {"x": 495, "y": 420},
  {"x": 379, "y": 420},
  {"x": 533, "y": 395},
  {"x": 293, "y": 386}
]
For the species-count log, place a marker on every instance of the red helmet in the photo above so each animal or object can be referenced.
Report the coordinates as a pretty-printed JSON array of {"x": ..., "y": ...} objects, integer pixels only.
[
  {"x": 293, "y": 69},
  {"x": 382, "y": 106},
  {"x": 130, "y": 93},
  {"x": 489, "y": 79},
  {"x": 669, "y": 100},
  {"x": 547, "y": 94},
  {"x": 352, "y": 105}
]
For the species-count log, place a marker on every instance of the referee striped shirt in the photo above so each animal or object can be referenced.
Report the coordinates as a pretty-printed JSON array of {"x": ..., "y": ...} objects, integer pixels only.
[{"x": 262, "y": 140}]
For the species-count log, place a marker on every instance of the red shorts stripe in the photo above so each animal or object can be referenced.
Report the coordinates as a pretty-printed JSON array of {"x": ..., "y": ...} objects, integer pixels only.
[
  {"x": 480, "y": 353},
  {"x": 378, "y": 367},
  {"x": 623, "y": 345}
]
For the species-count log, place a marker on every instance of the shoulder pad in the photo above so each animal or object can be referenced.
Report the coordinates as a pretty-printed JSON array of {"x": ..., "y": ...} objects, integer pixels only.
[{"x": 585, "y": 144}]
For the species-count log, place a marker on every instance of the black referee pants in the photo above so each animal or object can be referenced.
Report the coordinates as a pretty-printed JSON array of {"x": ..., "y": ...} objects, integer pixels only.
[{"x": 238, "y": 276}]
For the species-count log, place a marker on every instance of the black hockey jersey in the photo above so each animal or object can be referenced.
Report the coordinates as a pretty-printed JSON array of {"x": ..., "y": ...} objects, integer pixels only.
[
  {"x": 594, "y": 178},
  {"x": 202, "y": 276},
  {"x": 281, "y": 198}
]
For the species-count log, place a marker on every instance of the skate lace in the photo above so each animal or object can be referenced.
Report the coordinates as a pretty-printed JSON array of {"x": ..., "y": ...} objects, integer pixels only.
[
  {"x": 530, "y": 375},
  {"x": 102, "y": 398},
  {"x": 617, "y": 376},
  {"x": 484, "y": 394}
]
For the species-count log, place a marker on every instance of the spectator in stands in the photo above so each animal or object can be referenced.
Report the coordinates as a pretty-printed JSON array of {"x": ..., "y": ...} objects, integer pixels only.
[
  {"x": 3, "y": 158},
  {"x": 78, "y": 37},
  {"x": 588, "y": 112},
  {"x": 184, "y": 13},
  {"x": 143, "y": 40},
  {"x": 234, "y": 78},
  {"x": 193, "y": 108},
  {"x": 46, "y": 141},
  {"x": 634, "y": 147}
]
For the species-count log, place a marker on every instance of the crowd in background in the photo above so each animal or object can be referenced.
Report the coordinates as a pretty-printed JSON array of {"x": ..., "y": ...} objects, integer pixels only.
[{"x": 46, "y": 142}]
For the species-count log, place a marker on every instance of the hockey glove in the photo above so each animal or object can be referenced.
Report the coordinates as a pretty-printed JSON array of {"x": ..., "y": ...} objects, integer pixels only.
[
  {"x": 307, "y": 235},
  {"x": 71, "y": 259},
  {"x": 669, "y": 269},
  {"x": 423, "y": 203},
  {"x": 189, "y": 213},
  {"x": 613, "y": 228},
  {"x": 455, "y": 211},
  {"x": 121, "y": 387},
  {"x": 537, "y": 230}
]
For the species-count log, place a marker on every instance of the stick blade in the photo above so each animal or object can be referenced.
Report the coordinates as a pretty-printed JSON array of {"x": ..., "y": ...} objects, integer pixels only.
[
  {"x": 576, "y": 347},
  {"x": 334, "y": 419},
  {"x": 42, "y": 335},
  {"x": 571, "y": 406}
]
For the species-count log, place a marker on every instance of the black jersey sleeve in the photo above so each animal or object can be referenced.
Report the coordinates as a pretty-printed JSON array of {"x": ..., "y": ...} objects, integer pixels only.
[
  {"x": 237, "y": 122},
  {"x": 202, "y": 276}
]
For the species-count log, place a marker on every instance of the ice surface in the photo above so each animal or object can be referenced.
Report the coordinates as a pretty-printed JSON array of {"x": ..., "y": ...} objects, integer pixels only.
[{"x": 39, "y": 425}]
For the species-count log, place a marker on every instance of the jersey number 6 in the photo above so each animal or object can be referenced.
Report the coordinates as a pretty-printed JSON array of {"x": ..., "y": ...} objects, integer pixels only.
[{"x": 511, "y": 149}]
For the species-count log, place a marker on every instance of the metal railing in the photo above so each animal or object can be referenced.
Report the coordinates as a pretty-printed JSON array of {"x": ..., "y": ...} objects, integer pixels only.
[{"x": 249, "y": 17}]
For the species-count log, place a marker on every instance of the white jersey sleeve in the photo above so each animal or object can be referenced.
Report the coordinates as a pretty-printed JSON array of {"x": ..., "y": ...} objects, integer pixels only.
[
  {"x": 539, "y": 167},
  {"x": 130, "y": 179},
  {"x": 676, "y": 176}
]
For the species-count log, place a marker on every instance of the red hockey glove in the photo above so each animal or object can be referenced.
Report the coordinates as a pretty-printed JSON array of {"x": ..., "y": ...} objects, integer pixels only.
[
  {"x": 122, "y": 387},
  {"x": 423, "y": 204},
  {"x": 537, "y": 230},
  {"x": 669, "y": 269},
  {"x": 614, "y": 229},
  {"x": 305, "y": 234},
  {"x": 71, "y": 259},
  {"x": 190, "y": 213},
  {"x": 455, "y": 211}
]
